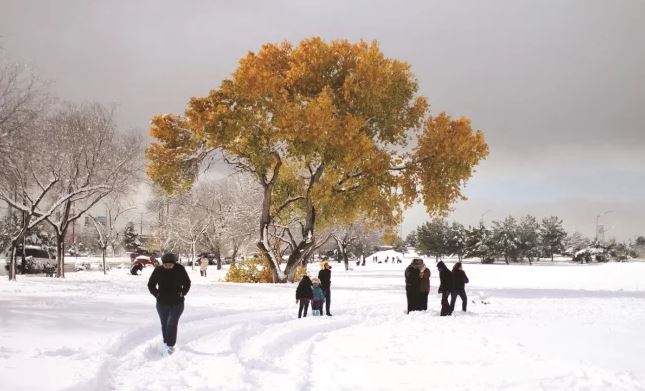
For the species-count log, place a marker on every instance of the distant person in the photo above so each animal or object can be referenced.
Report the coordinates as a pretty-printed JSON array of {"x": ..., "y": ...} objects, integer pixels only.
[
  {"x": 136, "y": 269},
  {"x": 459, "y": 281},
  {"x": 413, "y": 284},
  {"x": 318, "y": 298},
  {"x": 424, "y": 287},
  {"x": 304, "y": 295},
  {"x": 203, "y": 265},
  {"x": 325, "y": 283},
  {"x": 445, "y": 287},
  {"x": 169, "y": 283}
]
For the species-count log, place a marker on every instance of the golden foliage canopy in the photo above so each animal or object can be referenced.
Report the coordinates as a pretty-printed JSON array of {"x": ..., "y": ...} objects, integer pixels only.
[{"x": 336, "y": 126}]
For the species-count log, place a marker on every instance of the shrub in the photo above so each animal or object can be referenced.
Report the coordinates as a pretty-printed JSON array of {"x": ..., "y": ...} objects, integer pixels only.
[{"x": 254, "y": 269}]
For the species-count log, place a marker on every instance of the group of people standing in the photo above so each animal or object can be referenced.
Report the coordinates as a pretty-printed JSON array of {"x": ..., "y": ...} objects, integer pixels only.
[
  {"x": 316, "y": 291},
  {"x": 169, "y": 284},
  {"x": 452, "y": 283}
]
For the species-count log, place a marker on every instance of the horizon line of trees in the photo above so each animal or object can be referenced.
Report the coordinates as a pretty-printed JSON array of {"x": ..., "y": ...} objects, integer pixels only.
[{"x": 516, "y": 240}]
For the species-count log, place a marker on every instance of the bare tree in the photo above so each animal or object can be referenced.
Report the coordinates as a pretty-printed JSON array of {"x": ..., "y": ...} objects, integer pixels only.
[
  {"x": 23, "y": 99},
  {"x": 93, "y": 157},
  {"x": 188, "y": 223},
  {"x": 27, "y": 184},
  {"x": 350, "y": 238},
  {"x": 232, "y": 209},
  {"x": 161, "y": 205},
  {"x": 106, "y": 230}
]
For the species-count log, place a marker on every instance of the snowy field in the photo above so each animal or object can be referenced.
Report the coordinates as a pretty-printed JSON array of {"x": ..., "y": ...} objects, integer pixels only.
[{"x": 564, "y": 327}]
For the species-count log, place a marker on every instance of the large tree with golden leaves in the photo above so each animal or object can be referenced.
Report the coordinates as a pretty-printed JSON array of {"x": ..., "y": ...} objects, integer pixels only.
[{"x": 331, "y": 130}]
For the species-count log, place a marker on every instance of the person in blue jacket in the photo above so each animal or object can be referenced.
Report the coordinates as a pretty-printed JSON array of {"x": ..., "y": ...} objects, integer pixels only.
[{"x": 319, "y": 297}]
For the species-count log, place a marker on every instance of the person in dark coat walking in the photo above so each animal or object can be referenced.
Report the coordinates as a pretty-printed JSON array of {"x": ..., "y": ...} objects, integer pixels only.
[
  {"x": 424, "y": 288},
  {"x": 136, "y": 269},
  {"x": 459, "y": 281},
  {"x": 445, "y": 287},
  {"x": 304, "y": 295},
  {"x": 413, "y": 284},
  {"x": 169, "y": 283},
  {"x": 325, "y": 283}
]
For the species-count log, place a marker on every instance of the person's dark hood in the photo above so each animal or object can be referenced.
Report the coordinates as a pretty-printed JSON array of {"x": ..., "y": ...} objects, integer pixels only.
[{"x": 442, "y": 266}]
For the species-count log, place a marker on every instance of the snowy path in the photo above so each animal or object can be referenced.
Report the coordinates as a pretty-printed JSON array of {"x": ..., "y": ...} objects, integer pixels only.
[{"x": 96, "y": 333}]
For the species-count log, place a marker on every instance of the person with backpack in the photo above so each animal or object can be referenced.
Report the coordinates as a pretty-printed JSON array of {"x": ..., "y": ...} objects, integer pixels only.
[
  {"x": 304, "y": 295},
  {"x": 445, "y": 287},
  {"x": 459, "y": 281}
]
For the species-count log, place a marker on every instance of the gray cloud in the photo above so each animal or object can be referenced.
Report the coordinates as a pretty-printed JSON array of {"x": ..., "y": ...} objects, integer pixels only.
[{"x": 557, "y": 86}]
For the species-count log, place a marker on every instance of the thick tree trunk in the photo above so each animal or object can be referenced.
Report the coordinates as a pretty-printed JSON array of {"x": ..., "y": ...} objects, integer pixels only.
[
  {"x": 263, "y": 244},
  {"x": 342, "y": 253},
  {"x": 234, "y": 255},
  {"x": 14, "y": 248},
  {"x": 307, "y": 241},
  {"x": 218, "y": 258},
  {"x": 265, "y": 248},
  {"x": 296, "y": 258}
]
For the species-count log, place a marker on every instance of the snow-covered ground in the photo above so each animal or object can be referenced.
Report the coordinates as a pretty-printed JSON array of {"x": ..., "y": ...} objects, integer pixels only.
[{"x": 564, "y": 327}]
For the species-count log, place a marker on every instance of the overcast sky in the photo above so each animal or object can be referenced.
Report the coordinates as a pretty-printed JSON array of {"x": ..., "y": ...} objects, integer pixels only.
[{"x": 558, "y": 86}]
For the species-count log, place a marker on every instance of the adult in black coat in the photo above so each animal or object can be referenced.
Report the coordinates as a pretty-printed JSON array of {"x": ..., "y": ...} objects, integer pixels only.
[
  {"x": 424, "y": 288},
  {"x": 169, "y": 283},
  {"x": 324, "y": 276},
  {"x": 445, "y": 287},
  {"x": 459, "y": 281},
  {"x": 413, "y": 284},
  {"x": 304, "y": 294},
  {"x": 136, "y": 269}
]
